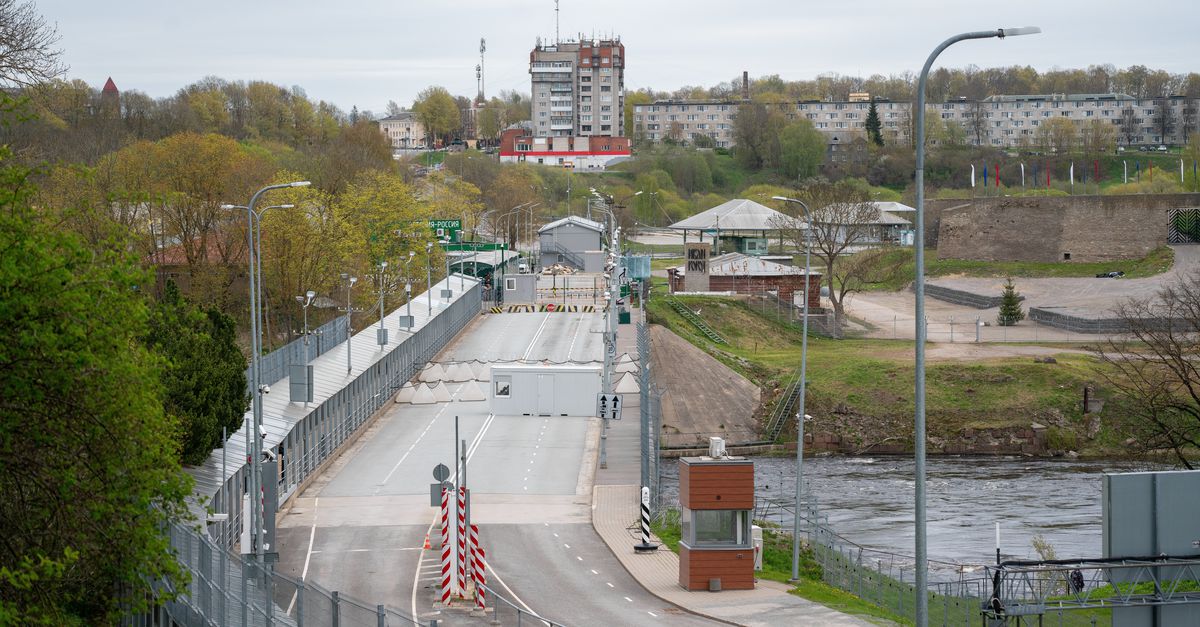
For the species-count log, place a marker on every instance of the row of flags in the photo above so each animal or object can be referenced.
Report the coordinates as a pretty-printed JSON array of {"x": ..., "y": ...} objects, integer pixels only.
[{"x": 1083, "y": 172}]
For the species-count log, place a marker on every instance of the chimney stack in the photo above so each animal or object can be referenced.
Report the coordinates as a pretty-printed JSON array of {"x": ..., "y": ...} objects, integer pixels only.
[{"x": 745, "y": 85}]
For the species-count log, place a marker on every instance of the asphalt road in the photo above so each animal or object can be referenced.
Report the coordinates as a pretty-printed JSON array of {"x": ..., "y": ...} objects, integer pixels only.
[{"x": 360, "y": 527}]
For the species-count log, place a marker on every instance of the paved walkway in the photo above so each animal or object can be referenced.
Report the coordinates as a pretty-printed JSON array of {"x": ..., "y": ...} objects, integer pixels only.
[
  {"x": 614, "y": 514},
  {"x": 614, "y": 511}
]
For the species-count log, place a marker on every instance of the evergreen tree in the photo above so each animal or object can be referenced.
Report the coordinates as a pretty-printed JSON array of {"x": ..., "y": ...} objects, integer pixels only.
[
  {"x": 203, "y": 378},
  {"x": 874, "y": 128},
  {"x": 1010, "y": 305}
]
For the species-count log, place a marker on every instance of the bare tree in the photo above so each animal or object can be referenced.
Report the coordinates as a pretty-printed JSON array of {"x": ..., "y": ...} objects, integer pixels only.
[
  {"x": 27, "y": 46},
  {"x": 1157, "y": 374},
  {"x": 976, "y": 122},
  {"x": 1129, "y": 125},
  {"x": 1163, "y": 120},
  {"x": 843, "y": 221}
]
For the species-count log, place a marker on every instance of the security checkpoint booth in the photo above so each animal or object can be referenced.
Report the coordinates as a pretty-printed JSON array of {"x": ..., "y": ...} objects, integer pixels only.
[
  {"x": 544, "y": 390},
  {"x": 716, "y": 497}
]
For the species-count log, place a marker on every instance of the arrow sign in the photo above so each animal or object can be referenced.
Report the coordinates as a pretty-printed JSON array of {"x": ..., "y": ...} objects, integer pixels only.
[{"x": 608, "y": 406}]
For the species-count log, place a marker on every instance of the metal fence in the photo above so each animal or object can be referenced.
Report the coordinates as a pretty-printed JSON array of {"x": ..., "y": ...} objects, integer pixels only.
[
  {"x": 957, "y": 591},
  {"x": 236, "y": 591},
  {"x": 505, "y": 612},
  {"x": 275, "y": 365},
  {"x": 650, "y": 415},
  {"x": 320, "y": 433},
  {"x": 223, "y": 589}
]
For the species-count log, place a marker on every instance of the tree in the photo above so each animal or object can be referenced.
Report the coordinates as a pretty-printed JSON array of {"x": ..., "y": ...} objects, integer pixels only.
[
  {"x": 1010, "y": 305},
  {"x": 801, "y": 150},
  {"x": 1097, "y": 137},
  {"x": 1163, "y": 120},
  {"x": 1129, "y": 125},
  {"x": 88, "y": 474},
  {"x": 27, "y": 46},
  {"x": 843, "y": 219},
  {"x": 438, "y": 113},
  {"x": 489, "y": 122},
  {"x": 1057, "y": 135},
  {"x": 203, "y": 374},
  {"x": 874, "y": 127},
  {"x": 977, "y": 122},
  {"x": 1156, "y": 375},
  {"x": 756, "y": 134}
]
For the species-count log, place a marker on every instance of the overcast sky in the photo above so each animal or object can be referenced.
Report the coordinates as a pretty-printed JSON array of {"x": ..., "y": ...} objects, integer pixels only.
[{"x": 366, "y": 52}]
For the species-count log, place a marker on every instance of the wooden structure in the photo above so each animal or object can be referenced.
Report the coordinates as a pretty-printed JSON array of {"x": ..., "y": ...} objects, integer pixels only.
[{"x": 715, "y": 551}]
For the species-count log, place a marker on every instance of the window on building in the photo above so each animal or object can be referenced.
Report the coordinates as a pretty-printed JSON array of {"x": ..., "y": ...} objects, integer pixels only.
[
  {"x": 605, "y": 127},
  {"x": 510, "y": 285},
  {"x": 715, "y": 527}
]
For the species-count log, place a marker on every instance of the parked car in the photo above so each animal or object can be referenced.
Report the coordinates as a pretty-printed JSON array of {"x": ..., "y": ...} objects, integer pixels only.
[
  {"x": 1162, "y": 148},
  {"x": 1115, "y": 274}
]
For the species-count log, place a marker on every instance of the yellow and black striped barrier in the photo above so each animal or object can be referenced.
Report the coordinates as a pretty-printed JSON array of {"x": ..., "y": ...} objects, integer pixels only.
[{"x": 497, "y": 310}]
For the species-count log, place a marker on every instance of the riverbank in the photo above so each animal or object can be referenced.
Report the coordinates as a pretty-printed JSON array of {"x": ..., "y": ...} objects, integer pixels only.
[{"x": 860, "y": 391}]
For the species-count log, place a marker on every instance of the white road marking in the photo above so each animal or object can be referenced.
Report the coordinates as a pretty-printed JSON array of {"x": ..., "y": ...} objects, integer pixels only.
[
  {"x": 629, "y": 599},
  {"x": 652, "y": 613},
  {"x": 575, "y": 336},
  {"x": 609, "y": 585},
  {"x": 579, "y": 558},
  {"x": 566, "y": 545},
  {"x": 311, "y": 536},
  {"x": 556, "y": 535},
  {"x": 595, "y": 573},
  {"x": 535, "y": 337},
  {"x": 410, "y": 448}
]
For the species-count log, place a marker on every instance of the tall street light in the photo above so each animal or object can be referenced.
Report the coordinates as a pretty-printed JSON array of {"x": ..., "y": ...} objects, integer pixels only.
[
  {"x": 922, "y": 566},
  {"x": 800, "y": 415},
  {"x": 350, "y": 281},
  {"x": 429, "y": 276},
  {"x": 254, "y": 440},
  {"x": 408, "y": 289},
  {"x": 305, "y": 301},
  {"x": 256, "y": 228},
  {"x": 382, "y": 331}
]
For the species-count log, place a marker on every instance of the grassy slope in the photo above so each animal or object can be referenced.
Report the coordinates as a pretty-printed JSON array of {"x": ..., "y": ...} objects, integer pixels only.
[
  {"x": 874, "y": 378},
  {"x": 895, "y": 267}
]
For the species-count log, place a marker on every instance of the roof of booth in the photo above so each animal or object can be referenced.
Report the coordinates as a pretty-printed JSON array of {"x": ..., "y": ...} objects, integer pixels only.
[{"x": 738, "y": 214}]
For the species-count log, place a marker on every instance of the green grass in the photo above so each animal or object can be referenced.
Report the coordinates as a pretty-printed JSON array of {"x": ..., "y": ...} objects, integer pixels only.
[
  {"x": 894, "y": 267},
  {"x": 777, "y": 566},
  {"x": 639, "y": 248},
  {"x": 663, "y": 264},
  {"x": 873, "y": 379}
]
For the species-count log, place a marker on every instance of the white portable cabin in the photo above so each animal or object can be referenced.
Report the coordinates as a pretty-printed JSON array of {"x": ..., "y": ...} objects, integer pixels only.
[{"x": 535, "y": 390}]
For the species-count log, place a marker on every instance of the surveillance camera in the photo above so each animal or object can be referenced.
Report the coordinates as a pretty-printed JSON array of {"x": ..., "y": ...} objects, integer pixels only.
[
  {"x": 265, "y": 389},
  {"x": 269, "y": 455}
]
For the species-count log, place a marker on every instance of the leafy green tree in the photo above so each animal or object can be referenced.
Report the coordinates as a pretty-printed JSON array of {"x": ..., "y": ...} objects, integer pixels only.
[
  {"x": 801, "y": 150},
  {"x": 437, "y": 111},
  {"x": 1010, "y": 305},
  {"x": 88, "y": 473},
  {"x": 874, "y": 127},
  {"x": 756, "y": 133},
  {"x": 203, "y": 374}
]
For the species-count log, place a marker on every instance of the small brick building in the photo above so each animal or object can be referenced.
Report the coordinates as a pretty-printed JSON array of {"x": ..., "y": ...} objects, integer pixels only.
[{"x": 745, "y": 274}]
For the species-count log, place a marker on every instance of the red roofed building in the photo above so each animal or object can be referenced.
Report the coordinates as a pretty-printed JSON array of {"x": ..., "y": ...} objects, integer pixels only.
[
  {"x": 110, "y": 88},
  {"x": 581, "y": 153}
]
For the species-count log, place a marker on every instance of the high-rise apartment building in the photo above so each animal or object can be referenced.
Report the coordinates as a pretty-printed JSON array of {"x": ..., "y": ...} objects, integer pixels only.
[{"x": 578, "y": 88}]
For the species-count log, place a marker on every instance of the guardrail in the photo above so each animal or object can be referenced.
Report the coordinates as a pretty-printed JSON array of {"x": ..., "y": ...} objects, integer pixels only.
[{"x": 275, "y": 365}]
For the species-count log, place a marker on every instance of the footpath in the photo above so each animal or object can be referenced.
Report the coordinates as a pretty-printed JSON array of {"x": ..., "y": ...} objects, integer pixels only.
[{"x": 615, "y": 498}]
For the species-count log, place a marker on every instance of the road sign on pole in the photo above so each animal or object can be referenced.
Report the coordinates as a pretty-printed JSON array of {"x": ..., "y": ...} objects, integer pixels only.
[
  {"x": 608, "y": 406},
  {"x": 441, "y": 472}
]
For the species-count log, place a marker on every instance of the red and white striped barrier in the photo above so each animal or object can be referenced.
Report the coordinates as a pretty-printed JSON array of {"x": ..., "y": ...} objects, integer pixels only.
[
  {"x": 478, "y": 569},
  {"x": 461, "y": 532},
  {"x": 447, "y": 546}
]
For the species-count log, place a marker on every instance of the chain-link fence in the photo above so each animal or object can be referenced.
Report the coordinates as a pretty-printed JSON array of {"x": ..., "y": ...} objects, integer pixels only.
[
  {"x": 957, "y": 591},
  {"x": 233, "y": 590}
]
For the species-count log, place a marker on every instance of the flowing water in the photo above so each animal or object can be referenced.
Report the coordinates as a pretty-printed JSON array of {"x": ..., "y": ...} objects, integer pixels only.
[{"x": 869, "y": 501}]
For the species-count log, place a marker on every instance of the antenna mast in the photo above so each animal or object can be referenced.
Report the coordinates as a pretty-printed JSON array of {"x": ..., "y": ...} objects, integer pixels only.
[
  {"x": 479, "y": 70},
  {"x": 556, "y": 38}
]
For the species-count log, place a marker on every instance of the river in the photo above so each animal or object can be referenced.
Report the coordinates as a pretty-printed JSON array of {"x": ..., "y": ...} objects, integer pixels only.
[{"x": 869, "y": 501}]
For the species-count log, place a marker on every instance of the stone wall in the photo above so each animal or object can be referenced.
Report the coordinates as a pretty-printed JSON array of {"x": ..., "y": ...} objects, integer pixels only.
[{"x": 1046, "y": 229}]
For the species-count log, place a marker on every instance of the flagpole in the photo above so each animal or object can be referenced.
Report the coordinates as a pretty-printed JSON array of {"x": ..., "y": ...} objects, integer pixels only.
[{"x": 1022, "y": 175}]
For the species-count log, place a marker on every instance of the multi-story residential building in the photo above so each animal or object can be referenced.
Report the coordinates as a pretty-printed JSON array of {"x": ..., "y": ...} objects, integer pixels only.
[
  {"x": 404, "y": 130},
  {"x": 578, "y": 88},
  {"x": 1003, "y": 121},
  {"x": 683, "y": 120}
]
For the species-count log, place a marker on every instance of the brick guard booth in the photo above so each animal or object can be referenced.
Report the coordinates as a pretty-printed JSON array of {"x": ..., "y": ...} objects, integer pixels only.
[{"x": 716, "y": 494}]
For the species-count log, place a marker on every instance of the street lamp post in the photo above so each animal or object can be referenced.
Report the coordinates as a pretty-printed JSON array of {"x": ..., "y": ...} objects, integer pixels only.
[
  {"x": 429, "y": 276},
  {"x": 408, "y": 289},
  {"x": 800, "y": 415},
  {"x": 382, "y": 331},
  {"x": 253, "y": 435},
  {"x": 305, "y": 301},
  {"x": 922, "y": 566},
  {"x": 350, "y": 281}
]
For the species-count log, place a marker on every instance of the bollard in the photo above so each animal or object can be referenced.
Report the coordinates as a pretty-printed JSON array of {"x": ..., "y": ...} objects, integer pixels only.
[{"x": 334, "y": 601}]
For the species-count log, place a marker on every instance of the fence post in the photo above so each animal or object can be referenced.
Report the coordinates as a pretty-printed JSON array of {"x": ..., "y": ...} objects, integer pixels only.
[
  {"x": 334, "y": 601},
  {"x": 380, "y": 616},
  {"x": 245, "y": 590},
  {"x": 300, "y": 604}
]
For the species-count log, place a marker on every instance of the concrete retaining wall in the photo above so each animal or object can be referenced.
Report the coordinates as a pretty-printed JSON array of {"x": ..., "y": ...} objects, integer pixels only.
[{"x": 1064, "y": 228}]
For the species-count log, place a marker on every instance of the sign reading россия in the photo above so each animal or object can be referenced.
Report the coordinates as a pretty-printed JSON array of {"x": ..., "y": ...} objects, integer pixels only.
[{"x": 448, "y": 230}]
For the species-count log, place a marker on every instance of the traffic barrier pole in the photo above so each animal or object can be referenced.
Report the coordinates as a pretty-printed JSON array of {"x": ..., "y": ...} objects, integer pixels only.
[{"x": 446, "y": 546}]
